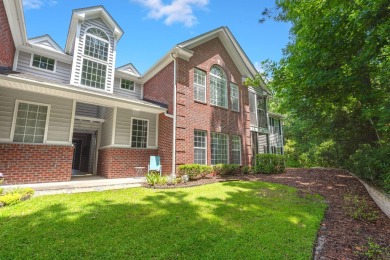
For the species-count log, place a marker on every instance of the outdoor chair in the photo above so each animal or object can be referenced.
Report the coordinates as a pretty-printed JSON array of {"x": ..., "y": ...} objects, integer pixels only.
[{"x": 155, "y": 164}]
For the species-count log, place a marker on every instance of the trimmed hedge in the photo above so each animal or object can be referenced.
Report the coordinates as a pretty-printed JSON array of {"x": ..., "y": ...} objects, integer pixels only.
[
  {"x": 195, "y": 171},
  {"x": 270, "y": 163},
  {"x": 227, "y": 169}
]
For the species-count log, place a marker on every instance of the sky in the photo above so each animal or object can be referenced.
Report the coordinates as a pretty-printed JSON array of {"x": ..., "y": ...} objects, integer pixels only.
[{"x": 152, "y": 27}]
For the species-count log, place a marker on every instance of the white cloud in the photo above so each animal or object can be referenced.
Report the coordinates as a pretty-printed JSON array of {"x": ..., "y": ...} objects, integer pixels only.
[
  {"x": 37, "y": 4},
  {"x": 177, "y": 11}
]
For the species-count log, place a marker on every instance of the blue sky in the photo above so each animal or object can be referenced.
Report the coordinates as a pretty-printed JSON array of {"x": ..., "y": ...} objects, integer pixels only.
[{"x": 153, "y": 27}]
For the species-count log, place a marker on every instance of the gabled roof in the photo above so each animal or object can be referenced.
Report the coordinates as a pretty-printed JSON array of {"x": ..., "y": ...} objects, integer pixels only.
[
  {"x": 45, "y": 41},
  {"x": 93, "y": 12},
  {"x": 184, "y": 50},
  {"x": 129, "y": 69},
  {"x": 15, "y": 15}
]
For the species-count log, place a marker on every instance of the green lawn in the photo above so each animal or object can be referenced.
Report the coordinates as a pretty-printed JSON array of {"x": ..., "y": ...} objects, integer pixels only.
[{"x": 230, "y": 220}]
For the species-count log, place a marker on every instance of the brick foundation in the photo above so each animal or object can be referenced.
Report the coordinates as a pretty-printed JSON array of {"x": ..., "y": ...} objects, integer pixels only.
[
  {"x": 120, "y": 162},
  {"x": 29, "y": 163}
]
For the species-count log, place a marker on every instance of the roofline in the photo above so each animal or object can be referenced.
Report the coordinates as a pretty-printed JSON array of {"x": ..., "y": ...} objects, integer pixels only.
[
  {"x": 50, "y": 38},
  {"x": 15, "y": 16}
]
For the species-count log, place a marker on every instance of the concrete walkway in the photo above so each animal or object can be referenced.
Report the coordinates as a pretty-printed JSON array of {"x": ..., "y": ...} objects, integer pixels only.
[{"x": 82, "y": 184}]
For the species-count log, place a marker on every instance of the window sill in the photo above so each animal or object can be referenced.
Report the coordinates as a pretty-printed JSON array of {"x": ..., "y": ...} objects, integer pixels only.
[
  {"x": 200, "y": 102},
  {"x": 225, "y": 108}
]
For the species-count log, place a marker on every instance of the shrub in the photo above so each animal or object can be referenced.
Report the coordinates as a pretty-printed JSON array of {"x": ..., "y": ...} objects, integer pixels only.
[
  {"x": 270, "y": 163},
  {"x": 152, "y": 178},
  {"x": 227, "y": 169},
  {"x": 246, "y": 169},
  {"x": 1, "y": 190},
  {"x": 194, "y": 170},
  {"x": 372, "y": 164},
  {"x": 14, "y": 196}
]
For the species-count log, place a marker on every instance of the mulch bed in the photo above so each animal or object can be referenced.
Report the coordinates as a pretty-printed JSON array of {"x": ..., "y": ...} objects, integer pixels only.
[{"x": 340, "y": 235}]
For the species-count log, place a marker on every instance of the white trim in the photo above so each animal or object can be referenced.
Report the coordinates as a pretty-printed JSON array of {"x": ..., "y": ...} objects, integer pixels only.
[
  {"x": 126, "y": 146},
  {"x": 5, "y": 140},
  {"x": 129, "y": 90},
  {"x": 38, "y": 41},
  {"x": 204, "y": 86},
  {"x": 157, "y": 122},
  {"x": 72, "y": 120},
  {"x": 206, "y": 145},
  {"x": 17, "y": 101},
  {"x": 114, "y": 125},
  {"x": 85, "y": 57},
  {"x": 113, "y": 65},
  {"x": 47, "y": 70},
  {"x": 77, "y": 40},
  {"x": 231, "y": 84},
  {"x": 90, "y": 119},
  {"x": 147, "y": 132},
  {"x": 239, "y": 138},
  {"x": 47, "y": 52},
  {"x": 228, "y": 146},
  {"x": 226, "y": 85},
  {"x": 58, "y": 143},
  {"x": 16, "y": 60}
]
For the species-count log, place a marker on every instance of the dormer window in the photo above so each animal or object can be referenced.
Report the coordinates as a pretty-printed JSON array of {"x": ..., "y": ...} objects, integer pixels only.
[
  {"x": 127, "y": 84},
  {"x": 42, "y": 62},
  {"x": 94, "y": 70}
]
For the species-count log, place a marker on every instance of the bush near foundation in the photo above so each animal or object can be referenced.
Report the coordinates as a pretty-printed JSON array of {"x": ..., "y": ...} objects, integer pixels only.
[
  {"x": 270, "y": 163},
  {"x": 195, "y": 171},
  {"x": 227, "y": 169},
  {"x": 14, "y": 196}
]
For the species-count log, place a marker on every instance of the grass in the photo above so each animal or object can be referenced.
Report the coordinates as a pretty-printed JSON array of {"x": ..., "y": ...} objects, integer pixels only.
[{"x": 230, "y": 220}]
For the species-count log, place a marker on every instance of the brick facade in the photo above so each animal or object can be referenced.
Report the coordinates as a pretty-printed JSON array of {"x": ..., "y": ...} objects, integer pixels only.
[
  {"x": 120, "y": 162},
  {"x": 29, "y": 163},
  {"x": 192, "y": 115},
  {"x": 7, "y": 50}
]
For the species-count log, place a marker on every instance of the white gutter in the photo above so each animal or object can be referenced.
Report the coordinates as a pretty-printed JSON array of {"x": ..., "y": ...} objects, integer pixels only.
[{"x": 174, "y": 118}]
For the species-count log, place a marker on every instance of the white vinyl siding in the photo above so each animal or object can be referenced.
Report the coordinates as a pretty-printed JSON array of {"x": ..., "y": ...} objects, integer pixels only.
[
  {"x": 275, "y": 137},
  {"x": 107, "y": 127},
  {"x": 61, "y": 74},
  {"x": 234, "y": 97},
  {"x": 30, "y": 122},
  {"x": 59, "y": 120},
  {"x": 139, "y": 133},
  {"x": 200, "y": 147},
  {"x": 123, "y": 127},
  {"x": 118, "y": 91},
  {"x": 199, "y": 85},
  {"x": 218, "y": 87},
  {"x": 219, "y": 149},
  {"x": 236, "y": 149}
]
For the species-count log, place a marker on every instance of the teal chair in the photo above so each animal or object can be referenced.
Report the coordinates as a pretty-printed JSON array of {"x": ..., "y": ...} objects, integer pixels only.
[{"x": 155, "y": 164}]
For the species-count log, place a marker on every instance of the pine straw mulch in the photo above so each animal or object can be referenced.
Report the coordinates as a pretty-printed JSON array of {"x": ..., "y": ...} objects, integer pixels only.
[{"x": 340, "y": 236}]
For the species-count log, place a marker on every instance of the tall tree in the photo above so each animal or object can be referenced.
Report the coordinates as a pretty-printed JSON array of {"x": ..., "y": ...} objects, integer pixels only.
[{"x": 335, "y": 73}]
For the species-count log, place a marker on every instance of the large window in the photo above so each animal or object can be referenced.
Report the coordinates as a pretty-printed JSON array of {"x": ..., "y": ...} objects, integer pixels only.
[
  {"x": 218, "y": 87},
  {"x": 94, "y": 74},
  {"x": 42, "y": 62},
  {"x": 30, "y": 122},
  {"x": 127, "y": 84},
  {"x": 139, "y": 133},
  {"x": 219, "y": 148},
  {"x": 236, "y": 149},
  {"x": 234, "y": 97},
  {"x": 199, "y": 85},
  {"x": 94, "y": 70},
  {"x": 200, "y": 147}
]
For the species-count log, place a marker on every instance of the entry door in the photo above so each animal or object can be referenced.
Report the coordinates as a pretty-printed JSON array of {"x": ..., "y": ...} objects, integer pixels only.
[{"x": 76, "y": 154}]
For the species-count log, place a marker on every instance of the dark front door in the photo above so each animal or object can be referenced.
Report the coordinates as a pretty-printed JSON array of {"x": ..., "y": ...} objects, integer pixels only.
[
  {"x": 76, "y": 154},
  {"x": 82, "y": 149}
]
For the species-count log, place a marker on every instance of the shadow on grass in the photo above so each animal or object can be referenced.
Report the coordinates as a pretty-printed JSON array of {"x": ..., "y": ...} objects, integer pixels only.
[{"x": 226, "y": 220}]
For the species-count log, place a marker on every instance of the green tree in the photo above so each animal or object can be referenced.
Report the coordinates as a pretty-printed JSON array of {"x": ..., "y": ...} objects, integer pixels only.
[{"x": 333, "y": 80}]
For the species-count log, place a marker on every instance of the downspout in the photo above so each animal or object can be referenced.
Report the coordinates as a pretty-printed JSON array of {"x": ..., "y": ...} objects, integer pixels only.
[{"x": 174, "y": 117}]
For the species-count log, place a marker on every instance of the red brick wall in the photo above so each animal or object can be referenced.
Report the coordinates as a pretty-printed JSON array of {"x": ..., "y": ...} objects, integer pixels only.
[
  {"x": 194, "y": 115},
  {"x": 120, "y": 162},
  {"x": 28, "y": 163},
  {"x": 7, "y": 50},
  {"x": 165, "y": 130}
]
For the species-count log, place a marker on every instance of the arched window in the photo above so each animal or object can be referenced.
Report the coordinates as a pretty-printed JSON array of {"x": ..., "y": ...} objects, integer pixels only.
[
  {"x": 96, "y": 44},
  {"x": 218, "y": 87},
  {"x": 94, "y": 71}
]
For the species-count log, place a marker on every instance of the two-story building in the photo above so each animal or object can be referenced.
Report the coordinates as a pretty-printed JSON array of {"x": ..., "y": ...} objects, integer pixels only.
[{"x": 70, "y": 110}]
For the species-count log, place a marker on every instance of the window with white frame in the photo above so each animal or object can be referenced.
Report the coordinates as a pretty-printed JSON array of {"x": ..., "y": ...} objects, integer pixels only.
[
  {"x": 42, "y": 62},
  {"x": 219, "y": 148},
  {"x": 127, "y": 84},
  {"x": 199, "y": 85},
  {"x": 236, "y": 149},
  {"x": 139, "y": 133},
  {"x": 234, "y": 97},
  {"x": 200, "y": 146},
  {"x": 218, "y": 87},
  {"x": 94, "y": 74},
  {"x": 94, "y": 69},
  {"x": 30, "y": 122}
]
